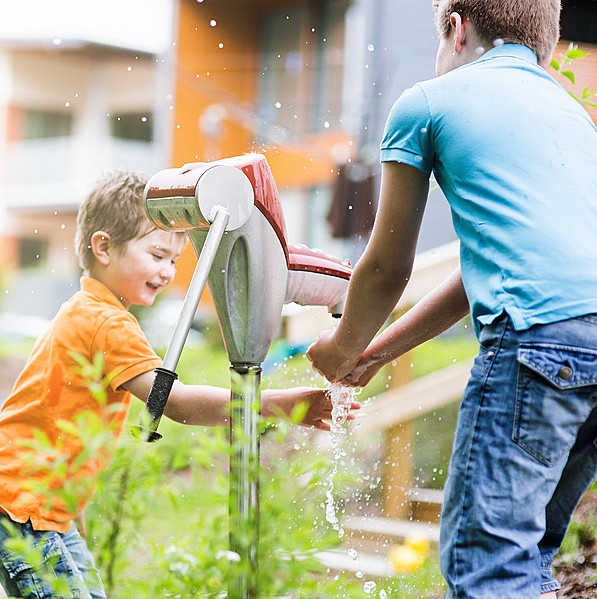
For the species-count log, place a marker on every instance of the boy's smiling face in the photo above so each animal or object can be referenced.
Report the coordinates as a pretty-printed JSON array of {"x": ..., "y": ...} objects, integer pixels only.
[{"x": 140, "y": 270}]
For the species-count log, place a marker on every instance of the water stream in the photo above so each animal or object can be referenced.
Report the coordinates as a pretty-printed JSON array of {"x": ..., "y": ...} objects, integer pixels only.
[{"x": 341, "y": 397}]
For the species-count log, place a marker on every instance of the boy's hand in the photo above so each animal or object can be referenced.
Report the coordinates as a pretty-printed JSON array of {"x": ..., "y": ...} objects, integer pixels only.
[
  {"x": 318, "y": 402},
  {"x": 363, "y": 372},
  {"x": 329, "y": 359},
  {"x": 81, "y": 526}
]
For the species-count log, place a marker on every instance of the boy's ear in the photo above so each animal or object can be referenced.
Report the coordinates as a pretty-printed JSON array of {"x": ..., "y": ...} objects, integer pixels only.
[
  {"x": 460, "y": 27},
  {"x": 100, "y": 246}
]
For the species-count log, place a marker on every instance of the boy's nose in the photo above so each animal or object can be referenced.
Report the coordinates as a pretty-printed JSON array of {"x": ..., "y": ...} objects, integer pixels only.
[{"x": 167, "y": 274}]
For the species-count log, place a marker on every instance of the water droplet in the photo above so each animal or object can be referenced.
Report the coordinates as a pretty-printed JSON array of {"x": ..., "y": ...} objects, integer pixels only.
[
  {"x": 353, "y": 554},
  {"x": 213, "y": 23},
  {"x": 371, "y": 47},
  {"x": 369, "y": 587}
]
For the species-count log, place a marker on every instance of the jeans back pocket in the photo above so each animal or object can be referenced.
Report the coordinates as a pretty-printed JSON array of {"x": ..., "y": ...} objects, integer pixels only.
[{"x": 555, "y": 393}]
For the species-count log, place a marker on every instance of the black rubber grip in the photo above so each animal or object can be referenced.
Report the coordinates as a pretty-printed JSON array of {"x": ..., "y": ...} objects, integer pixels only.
[{"x": 155, "y": 405}]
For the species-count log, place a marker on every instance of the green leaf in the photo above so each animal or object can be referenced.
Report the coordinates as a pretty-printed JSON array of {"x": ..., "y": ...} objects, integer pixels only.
[
  {"x": 68, "y": 427},
  {"x": 569, "y": 75},
  {"x": 575, "y": 53}
]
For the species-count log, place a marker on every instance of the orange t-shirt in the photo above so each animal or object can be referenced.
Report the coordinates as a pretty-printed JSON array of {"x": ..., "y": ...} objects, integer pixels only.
[{"x": 51, "y": 389}]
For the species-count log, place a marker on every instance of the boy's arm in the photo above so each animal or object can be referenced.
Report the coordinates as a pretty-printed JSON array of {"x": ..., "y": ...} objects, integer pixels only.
[
  {"x": 188, "y": 404},
  {"x": 204, "y": 405},
  {"x": 441, "y": 308},
  {"x": 380, "y": 275}
]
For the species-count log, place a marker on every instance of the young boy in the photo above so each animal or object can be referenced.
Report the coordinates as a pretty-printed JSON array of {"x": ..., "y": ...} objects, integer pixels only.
[
  {"x": 516, "y": 157},
  {"x": 126, "y": 262}
]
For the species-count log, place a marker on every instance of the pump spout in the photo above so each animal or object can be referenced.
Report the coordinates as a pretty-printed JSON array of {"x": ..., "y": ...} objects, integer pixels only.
[{"x": 337, "y": 309}]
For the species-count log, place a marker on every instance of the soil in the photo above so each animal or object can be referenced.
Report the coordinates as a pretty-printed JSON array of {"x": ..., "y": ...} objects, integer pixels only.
[{"x": 577, "y": 573}]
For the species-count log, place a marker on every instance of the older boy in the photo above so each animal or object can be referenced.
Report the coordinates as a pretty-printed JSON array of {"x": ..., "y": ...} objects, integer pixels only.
[
  {"x": 126, "y": 261},
  {"x": 517, "y": 160}
]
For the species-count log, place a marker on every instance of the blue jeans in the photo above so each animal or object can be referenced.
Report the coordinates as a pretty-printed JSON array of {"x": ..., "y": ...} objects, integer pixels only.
[
  {"x": 65, "y": 557},
  {"x": 524, "y": 454}
]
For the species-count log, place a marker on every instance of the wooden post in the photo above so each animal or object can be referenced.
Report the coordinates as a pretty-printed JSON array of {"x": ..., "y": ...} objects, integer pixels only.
[{"x": 399, "y": 448}]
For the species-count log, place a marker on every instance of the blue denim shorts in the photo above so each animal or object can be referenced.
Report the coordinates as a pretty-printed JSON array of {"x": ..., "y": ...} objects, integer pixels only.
[
  {"x": 524, "y": 454},
  {"x": 66, "y": 558}
]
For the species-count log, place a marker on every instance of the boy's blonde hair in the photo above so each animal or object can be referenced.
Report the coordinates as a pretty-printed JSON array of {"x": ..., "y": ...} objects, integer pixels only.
[
  {"x": 114, "y": 205},
  {"x": 531, "y": 23}
]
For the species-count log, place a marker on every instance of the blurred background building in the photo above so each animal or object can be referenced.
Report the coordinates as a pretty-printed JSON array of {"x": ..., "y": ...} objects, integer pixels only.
[{"x": 149, "y": 84}]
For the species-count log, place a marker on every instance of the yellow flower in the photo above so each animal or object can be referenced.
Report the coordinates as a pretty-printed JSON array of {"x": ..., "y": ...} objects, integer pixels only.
[
  {"x": 419, "y": 543},
  {"x": 410, "y": 556}
]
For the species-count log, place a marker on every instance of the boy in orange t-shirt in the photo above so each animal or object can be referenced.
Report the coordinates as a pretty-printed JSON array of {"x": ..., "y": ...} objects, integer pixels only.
[{"x": 126, "y": 262}]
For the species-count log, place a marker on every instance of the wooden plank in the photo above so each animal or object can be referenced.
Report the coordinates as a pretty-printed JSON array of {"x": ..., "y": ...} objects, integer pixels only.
[
  {"x": 389, "y": 528},
  {"x": 413, "y": 399}
]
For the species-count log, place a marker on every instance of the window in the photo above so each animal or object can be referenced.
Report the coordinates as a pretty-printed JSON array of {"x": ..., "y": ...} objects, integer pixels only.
[
  {"x": 137, "y": 126},
  {"x": 43, "y": 123},
  {"x": 301, "y": 78},
  {"x": 579, "y": 21},
  {"x": 32, "y": 252}
]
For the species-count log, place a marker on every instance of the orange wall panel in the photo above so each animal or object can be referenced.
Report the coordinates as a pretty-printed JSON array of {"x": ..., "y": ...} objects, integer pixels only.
[{"x": 217, "y": 77}]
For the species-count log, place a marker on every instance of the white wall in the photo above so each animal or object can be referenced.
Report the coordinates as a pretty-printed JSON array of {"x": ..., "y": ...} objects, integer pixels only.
[{"x": 144, "y": 25}]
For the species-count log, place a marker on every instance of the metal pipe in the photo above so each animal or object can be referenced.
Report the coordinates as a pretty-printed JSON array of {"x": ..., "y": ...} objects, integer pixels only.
[
  {"x": 166, "y": 375},
  {"x": 206, "y": 259},
  {"x": 244, "y": 477}
]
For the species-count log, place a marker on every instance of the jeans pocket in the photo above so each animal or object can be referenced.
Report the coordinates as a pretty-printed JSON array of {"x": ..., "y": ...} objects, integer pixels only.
[
  {"x": 24, "y": 577},
  {"x": 555, "y": 393},
  {"x": 50, "y": 566}
]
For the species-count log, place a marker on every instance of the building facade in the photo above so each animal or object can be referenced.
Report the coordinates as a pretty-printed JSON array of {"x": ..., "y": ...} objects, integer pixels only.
[{"x": 150, "y": 84}]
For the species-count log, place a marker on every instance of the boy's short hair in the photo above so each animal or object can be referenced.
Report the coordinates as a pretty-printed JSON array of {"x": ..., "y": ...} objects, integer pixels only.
[
  {"x": 114, "y": 205},
  {"x": 531, "y": 23}
]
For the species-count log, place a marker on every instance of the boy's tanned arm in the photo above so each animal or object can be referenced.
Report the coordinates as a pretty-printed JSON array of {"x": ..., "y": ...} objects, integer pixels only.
[
  {"x": 441, "y": 308},
  {"x": 380, "y": 275},
  {"x": 204, "y": 405}
]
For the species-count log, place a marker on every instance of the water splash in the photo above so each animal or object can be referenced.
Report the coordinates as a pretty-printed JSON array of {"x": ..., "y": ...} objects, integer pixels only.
[{"x": 341, "y": 397}]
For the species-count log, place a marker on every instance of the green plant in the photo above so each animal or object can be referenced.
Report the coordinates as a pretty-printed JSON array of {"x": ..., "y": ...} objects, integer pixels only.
[
  {"x": 158, "y": 525},
  {"x": 561, "y": 67}
]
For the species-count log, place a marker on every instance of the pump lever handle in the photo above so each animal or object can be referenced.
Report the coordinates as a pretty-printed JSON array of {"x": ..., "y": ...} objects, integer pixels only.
[
  {"x": 166, "y": 375},
  {"x": 146, "y": 430}
]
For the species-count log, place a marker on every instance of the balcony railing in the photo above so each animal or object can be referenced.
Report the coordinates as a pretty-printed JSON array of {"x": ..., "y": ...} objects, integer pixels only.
[{"x": 62, "y": 161}]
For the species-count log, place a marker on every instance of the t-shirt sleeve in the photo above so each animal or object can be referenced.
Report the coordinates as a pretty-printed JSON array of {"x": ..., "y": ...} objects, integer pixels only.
[
  {"x": 127, "y": 352},
  {"x": 408, "y": 135}
]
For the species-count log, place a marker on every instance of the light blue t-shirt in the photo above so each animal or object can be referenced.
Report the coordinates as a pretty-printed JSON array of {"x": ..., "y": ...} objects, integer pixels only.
[{"x": 516, "y": 157}]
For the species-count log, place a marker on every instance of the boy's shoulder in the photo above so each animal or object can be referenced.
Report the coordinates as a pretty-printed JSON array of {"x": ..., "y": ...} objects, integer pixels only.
[{"x": 92, "y": 305}]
